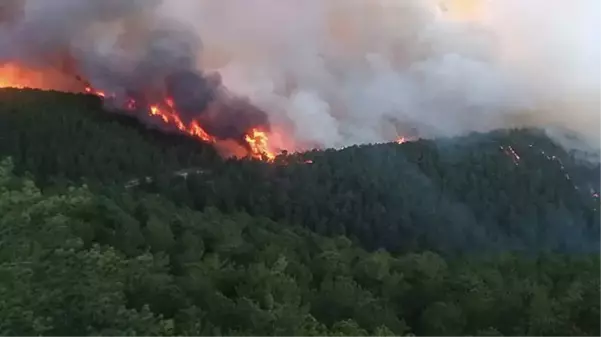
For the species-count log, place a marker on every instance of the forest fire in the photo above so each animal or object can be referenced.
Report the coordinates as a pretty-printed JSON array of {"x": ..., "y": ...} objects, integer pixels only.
[
  {"x": 234, "y": 126},
  {"x": 157, "y": 79},
  {"x": 259, "y": 144},
  {"x": 256, "y": 140},
  {"x": 401, "y": 140}
]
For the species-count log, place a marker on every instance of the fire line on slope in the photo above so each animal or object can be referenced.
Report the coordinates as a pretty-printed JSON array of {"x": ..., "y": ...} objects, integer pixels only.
[{"x": 256, "y": 139}]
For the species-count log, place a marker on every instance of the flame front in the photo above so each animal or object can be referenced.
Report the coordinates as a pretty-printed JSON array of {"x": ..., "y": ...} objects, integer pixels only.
[
  {"x": 169, "y": 116},
  {"x": 257, "y": 140}
]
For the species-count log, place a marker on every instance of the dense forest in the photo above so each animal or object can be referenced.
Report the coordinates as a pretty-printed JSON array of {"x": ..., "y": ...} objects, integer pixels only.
[
  {"x": 61, "y": 137},
  {"x": 451, "y": 196},
  {"x": 506, "y": 190},
  {"x": 488, "y": 234}
]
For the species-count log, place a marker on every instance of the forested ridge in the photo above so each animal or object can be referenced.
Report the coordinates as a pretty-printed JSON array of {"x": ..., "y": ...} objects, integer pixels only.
[
  {"x": 488, "y": 234},
  {"x": 65, "y": 137},
  {"x": 399, "y": 196}
]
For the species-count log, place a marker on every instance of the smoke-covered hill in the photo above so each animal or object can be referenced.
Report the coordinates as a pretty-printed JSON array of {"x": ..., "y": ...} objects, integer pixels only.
[{"x": 502, "y": 190}]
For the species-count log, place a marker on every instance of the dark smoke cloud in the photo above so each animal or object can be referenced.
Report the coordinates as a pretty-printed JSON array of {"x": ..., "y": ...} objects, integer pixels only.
[
  {"x": 125, "y": 48},
  {"x": 169, "y": 49},
  {"x": 203, "y": 98},
  {"x": 190, "y": 91},
  {"x": 222, "y": 111}
]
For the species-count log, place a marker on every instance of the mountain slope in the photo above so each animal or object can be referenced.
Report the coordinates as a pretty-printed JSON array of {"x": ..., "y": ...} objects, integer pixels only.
[
  {"x": 63, "y": 136},
  {"x": 503, "y": 190},
  {"x": 485, "y": 192}
]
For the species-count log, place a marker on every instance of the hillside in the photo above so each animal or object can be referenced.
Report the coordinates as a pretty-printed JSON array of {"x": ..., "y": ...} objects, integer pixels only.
[
  {"x": 389, "y": 195},
  {"x": 486, "y": 234},
  {"x": 63, "y": 137},
  {"x": 465, "y": 194}
]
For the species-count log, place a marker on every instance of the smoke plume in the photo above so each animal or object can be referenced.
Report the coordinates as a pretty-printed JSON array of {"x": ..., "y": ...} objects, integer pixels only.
[{"x": 329, "y": 73}]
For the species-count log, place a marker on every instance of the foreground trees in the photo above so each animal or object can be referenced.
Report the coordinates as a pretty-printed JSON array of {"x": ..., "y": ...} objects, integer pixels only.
[{"x": 84, "y": 262}]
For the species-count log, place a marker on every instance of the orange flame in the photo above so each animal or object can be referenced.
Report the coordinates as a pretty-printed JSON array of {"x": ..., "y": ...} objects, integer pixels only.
[
  {"x": 171, "y": 117},
  {"x": 99, "y": 93},
  {"x": 258, "y": 142}
]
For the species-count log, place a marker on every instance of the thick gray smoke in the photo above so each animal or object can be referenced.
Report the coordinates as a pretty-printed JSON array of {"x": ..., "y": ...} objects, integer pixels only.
[
  {"x": 333, "y": 72},
  {"x": 127, "y": 49}
]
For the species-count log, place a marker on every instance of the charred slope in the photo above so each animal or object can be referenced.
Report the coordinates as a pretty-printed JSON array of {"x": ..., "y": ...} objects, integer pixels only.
[{"x": 513, "y": 190}]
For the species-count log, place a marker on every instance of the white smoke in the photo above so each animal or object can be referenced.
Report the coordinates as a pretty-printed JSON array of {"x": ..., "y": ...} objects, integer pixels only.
[
  {"x": 342, "y": 72},
  {"x": 338, "y": 72}
]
